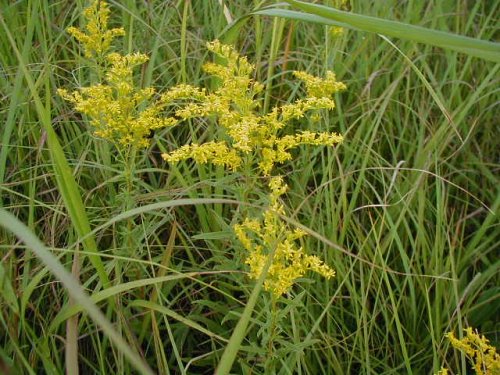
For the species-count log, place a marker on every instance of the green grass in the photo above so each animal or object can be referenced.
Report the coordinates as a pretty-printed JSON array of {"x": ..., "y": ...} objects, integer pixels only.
[{"x": 405, "y": 210}]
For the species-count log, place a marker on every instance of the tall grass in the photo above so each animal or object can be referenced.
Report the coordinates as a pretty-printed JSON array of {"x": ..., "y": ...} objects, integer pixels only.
[{"x": 406, "y": 210}]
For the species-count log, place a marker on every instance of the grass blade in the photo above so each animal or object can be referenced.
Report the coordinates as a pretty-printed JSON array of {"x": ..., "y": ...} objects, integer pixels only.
[
  {"x": 474, "y": 47},
  {"x": 11, "y": 223},
  {"x": 66, "y": 183}
]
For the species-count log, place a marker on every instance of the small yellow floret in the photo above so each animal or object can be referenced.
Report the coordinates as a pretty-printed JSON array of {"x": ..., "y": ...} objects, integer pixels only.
[
  {"x": 442, "y": 371},
  {"x": 336, "y": 31}
]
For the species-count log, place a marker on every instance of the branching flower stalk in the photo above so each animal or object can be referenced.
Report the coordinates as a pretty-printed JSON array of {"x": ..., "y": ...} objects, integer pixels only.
[
  {"x": 245, "y": 141},
  {"x": 117, "y": 109},
  {"x": 251, "y": 141}
]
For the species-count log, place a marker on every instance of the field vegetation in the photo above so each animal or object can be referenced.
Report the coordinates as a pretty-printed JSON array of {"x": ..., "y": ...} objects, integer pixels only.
[{"x": 317, "y": 199}]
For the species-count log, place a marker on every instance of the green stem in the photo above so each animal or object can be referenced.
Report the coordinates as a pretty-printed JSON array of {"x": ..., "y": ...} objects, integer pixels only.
[
  {"x": 239, "y": 332},
  {"x": 276, "y": 37},
  {"x": 272, "y": 331}
]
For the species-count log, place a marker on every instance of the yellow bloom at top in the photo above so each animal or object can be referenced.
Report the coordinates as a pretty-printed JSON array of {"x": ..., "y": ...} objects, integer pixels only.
[
  {"x": 118, "y": 109},
  {"x": 235, "y": 106},
  {"x": 97, "y": 38}
]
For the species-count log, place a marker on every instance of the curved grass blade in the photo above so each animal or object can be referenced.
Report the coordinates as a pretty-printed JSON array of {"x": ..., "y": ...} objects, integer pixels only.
[
  {"x": 70, "y": 310},
  {"x": 172, "y": 314},
  {"x": 66, "y": 183},
  {"x": 75, "y": 291},
  {"x": 474, "y": 47}
]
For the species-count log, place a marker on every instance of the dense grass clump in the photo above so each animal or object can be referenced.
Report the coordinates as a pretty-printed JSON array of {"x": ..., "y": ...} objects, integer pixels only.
[{"x": 404, "y": 210}]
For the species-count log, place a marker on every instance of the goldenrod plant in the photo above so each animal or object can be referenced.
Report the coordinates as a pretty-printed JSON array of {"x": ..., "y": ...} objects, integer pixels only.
[
  {"x": 248, "y": 140},
  {"x": 482, "y": 356},
  {"x": 245, "y": 139},
  {"x": 118, "y": 110}
]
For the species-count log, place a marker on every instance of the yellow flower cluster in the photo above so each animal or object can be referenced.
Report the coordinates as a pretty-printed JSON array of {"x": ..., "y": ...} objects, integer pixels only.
[
  {"x": 234, "y": 105},
  {"x": 125, "y": 114},
  {"x": 442, "y": 371},
  {"x": 320, "y": 87},
  {"x": 269, "y": 237},
  {"x": 246, "y": 132},
  {"x": 278, "y": 148},
  {"x": 211, "y": 152},
  {"x": 336, "y": 31},
  {"x": 483, "y": 357},
  {"x": 118, "y": 110},
  {"x": 97, "y": 41}
]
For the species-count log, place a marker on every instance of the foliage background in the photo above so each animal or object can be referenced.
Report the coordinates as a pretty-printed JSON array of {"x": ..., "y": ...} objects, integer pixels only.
[{"x": 406, "y": 210}]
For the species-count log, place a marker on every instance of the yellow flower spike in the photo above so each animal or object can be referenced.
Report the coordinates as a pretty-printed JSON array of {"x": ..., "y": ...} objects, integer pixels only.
[
  {"x": 320, "y": 87},
  {"x": 290, "y": 261},
  {"x": 114, "y": 108},
  {"x": 97, "y": 39},
  {"x": 278, "y": 188},
  {"x": 217, "y": 153},
  {"x": 483, "y": 357},
  {"x": 298, "y": 109},
  {"x": 121, "y": 70},
  {"x": 118, "y": 110},
  {"x": 183, "y": 92},
  {"x": 237, "y": 66}
]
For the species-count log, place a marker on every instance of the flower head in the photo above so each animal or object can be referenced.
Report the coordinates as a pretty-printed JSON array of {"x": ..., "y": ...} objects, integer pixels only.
[
  {"x": 483, "y": 356},
  {"x": 235, "y": 106},
  {"x": 98, "y": 38},
  {"x": 269, "y": 236},
  {"x": 118, "y": 109}
]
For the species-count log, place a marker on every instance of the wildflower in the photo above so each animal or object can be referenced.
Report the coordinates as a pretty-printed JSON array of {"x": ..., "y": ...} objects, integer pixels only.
[
  {"x": 246, "y": 132},
  {"x": 97, "y": 41},
  {"x": 119, "y": 111},
  {"x": 260, "y": 237},
  {"x": 234, "y": 105},
  {"x": 336, "y": 31},
  {"x": 483, "y": 356},
  {"x": 442, "y": 371}
]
